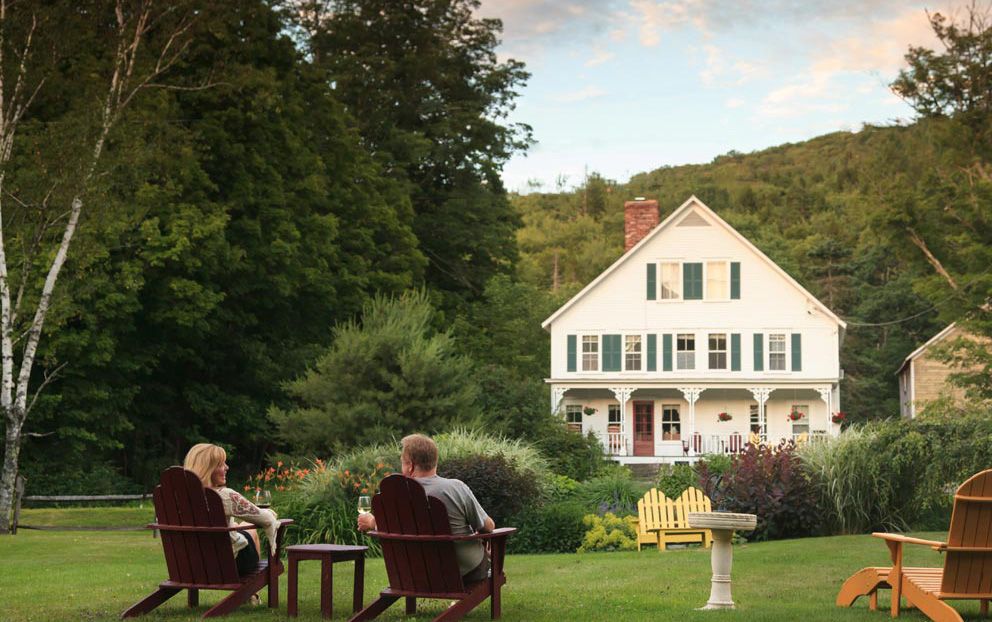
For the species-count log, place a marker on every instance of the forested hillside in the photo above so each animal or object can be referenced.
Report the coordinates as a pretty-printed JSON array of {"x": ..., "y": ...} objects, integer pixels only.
[
  {"x": 834, "y": 212},
  {"x": 279, "y": 226}
]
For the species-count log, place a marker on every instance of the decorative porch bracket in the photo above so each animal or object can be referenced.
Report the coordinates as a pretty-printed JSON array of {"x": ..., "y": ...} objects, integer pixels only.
[
  {"x": 557, "y": 394},
  {"x": 623, "y": 395},
  {"x": 691, "y": 395},
  {"x": 761, "y": 396},
  {"x": 825, "y": 396}
]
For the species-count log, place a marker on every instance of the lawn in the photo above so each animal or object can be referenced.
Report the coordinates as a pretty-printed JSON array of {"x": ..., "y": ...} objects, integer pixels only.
[{"x": 95, "y": 575}]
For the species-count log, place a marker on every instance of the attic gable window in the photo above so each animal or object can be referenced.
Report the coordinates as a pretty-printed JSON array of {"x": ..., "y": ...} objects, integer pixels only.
[
  {"x": 671, "y": 281},
  {"x": 590, "y": 353},
  {"x": 716, "y": 280}
]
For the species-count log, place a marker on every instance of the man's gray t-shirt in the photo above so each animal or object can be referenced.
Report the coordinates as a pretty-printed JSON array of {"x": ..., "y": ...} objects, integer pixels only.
[{"x": 465, "y": 515}]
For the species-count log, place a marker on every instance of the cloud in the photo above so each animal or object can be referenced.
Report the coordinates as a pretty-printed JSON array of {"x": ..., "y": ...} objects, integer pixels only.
[
  {"x": 600, "y": 55},
  {"x": 589, "y": 92},
  {"x": 734, "y": 102},
  {"x": 720, "y": 72}
]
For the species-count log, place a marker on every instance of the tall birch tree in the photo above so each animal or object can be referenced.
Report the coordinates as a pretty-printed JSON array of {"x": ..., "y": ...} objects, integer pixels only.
[{"x": 149, "y": 38}]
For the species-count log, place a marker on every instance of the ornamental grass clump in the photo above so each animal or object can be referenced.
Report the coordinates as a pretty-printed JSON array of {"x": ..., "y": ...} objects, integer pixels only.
[{"x": 324, "y": 502}]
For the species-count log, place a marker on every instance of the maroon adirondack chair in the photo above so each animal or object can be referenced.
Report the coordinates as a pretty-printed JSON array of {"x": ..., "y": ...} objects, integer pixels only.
[
  {"x": 419, "y": 552},
  {"x": 198, "y": 553}
]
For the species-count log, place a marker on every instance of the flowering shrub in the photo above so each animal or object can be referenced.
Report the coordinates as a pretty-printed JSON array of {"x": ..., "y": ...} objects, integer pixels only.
[
  {"x": 724, "y": 416},
  {"x": 609, "y": 533},
  {"x": 282, "y": 477}
]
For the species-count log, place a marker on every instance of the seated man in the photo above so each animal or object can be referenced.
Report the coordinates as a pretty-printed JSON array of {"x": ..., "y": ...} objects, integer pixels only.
[{"x": 419, "y": 461}]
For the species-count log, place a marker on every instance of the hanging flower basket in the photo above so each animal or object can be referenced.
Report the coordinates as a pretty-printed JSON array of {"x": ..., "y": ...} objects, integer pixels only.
[
  {"x": 839, "y": 417},
  {"x": 795, "y": 415},
  {"x": 724, "y": 417},
  {"x": 589, "y": 410}
]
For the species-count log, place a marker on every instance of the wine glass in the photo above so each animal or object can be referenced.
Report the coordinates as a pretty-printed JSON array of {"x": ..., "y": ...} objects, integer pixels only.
[
  {"x": 364, "y": 504},
  {"x": 263, "y": 498}
]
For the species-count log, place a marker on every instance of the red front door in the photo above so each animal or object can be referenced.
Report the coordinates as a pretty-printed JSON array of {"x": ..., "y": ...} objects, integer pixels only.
[{"x": 643, "y": 428}]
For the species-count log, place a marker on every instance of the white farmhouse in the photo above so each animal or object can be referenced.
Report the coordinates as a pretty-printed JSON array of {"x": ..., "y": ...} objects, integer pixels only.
[{"x": 693, "y": 342}]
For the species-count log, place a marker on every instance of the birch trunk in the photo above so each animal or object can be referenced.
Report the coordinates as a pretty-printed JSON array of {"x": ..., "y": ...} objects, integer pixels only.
[{"x": 125, "y": 83}]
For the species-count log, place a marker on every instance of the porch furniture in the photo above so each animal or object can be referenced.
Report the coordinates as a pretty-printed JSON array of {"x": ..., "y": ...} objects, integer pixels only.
[
  {"x": 418, "y": 549},
  {"x": 736, "y": 443},
  {"x": 723, "y": 525},
  {"x": 328, "y": 555},
  {"x": 967, "y": 571},
  {"x": 197, "y": 545},
  {"x": 661, "y": 520}
]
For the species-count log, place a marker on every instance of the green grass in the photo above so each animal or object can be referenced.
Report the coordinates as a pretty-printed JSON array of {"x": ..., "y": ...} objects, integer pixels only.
[
  {"x": 96, "y": 575},
  {"x": 89, "y": 516}
]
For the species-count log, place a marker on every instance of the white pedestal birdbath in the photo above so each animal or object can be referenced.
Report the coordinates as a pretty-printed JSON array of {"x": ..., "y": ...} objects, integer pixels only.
[{"x": 723, "y": 525}]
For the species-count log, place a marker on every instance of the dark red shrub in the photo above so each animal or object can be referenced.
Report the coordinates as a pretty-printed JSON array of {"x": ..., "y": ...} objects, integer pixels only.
[{"x": 770, "y": 483}]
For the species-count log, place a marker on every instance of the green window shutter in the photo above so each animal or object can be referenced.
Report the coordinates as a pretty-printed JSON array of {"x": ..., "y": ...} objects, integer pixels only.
[
  {"x": 735, "y": 352},
  {"x": 611, "y": 353},
  {"x": 666, "y": 358},
  {"x": 735, "y": 280},
  {"x": 759, "y": 352},
  {"x": 797, "y": 352},
  {"x": 571, "y": 353},
  {"x": 652, "y": 281},
  {"x": 692, "y": 281},
  {"x": 652, "y": 352}
]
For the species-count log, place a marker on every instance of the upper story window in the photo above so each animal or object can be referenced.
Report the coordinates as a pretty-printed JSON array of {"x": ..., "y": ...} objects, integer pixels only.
[
  {"x": 717, "y": 280},
  {"x": 718, "y": 351},
  {"x": 590, "y": 352},
  {"x": 632, "y": 349},
  {"x": 685, "y": 357},
  {"x": 671, "y": 281},
  {"x": 776, "y": 352},
  {"x": 573, "y": 417}
]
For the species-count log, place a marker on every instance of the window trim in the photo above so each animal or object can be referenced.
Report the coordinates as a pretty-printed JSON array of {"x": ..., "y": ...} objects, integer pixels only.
[
  {"x": 725, "y": 351},
  {"x": 678, "y": 366},
  {"x": 785, "y": 353},
  {"x": 573, "y": 409},
  {"x": 706, "y": 279},
  {"x": 639, "y": 353},
  {"x": 597, "y": 353},
  {"x": 678, "y": 276}
]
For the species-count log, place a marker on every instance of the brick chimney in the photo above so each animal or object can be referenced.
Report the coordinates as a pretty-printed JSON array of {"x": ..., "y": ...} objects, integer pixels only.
[{"x": 640, "y": 217}]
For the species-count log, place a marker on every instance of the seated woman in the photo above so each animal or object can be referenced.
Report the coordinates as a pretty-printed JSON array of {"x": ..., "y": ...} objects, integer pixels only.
[{"x": 209, "y": 462}]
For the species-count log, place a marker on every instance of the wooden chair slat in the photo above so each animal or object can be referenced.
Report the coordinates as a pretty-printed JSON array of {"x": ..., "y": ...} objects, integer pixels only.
[
  {"x": 202, "y": 559},
  {"x": 402, "y": 508},
  {"x": 967, "y": 571}
]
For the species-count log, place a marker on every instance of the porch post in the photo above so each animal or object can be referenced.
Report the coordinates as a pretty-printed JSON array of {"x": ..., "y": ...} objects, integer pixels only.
[
  {"x": 622, "y": 394},
  {"x": 761, "y": 396},
  {"x": 691, "y": 394},
  {"x": 557, "y": 393},
  {"x": 825, "y": 396}
]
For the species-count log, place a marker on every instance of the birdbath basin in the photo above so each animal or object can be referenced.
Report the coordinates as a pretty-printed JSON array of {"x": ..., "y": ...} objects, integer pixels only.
[{"x": 723, "y": 525}]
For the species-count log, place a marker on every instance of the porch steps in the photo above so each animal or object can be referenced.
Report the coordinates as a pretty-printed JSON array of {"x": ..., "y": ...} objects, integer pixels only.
[{"x": 645, "y": 473}]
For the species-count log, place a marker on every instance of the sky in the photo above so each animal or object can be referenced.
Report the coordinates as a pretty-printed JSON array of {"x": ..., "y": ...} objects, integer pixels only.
[{"x": 621, "y": 87}]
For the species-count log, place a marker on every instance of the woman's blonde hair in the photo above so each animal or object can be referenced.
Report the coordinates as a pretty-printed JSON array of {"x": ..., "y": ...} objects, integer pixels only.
[{"x": 203, "y": 459}]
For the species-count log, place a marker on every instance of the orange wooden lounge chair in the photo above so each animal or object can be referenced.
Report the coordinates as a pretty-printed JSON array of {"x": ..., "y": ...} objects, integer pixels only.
[
  {"x": 967, "y": 571},
  {"x": 198, "y": 552},
  {"x": 419, "y": 552}
]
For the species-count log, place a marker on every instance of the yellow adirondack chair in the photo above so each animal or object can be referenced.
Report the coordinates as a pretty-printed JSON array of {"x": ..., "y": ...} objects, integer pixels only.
[
  {"x": 662, "y": 521},
  {"x": 967, "y": 571}
]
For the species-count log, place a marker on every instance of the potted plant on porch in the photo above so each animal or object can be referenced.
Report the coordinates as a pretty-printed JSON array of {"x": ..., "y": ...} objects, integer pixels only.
[
  {"x": 588, "y": 410},
  {"x": 724, "y": 416},
  {"x": 796, "y": 415},
  {"x": 839, "y": 417}
]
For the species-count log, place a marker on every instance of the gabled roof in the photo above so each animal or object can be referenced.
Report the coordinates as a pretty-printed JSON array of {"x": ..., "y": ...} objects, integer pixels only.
[
  {"x": 915, "y": 354},
  {"x": 692, "y": 202}
]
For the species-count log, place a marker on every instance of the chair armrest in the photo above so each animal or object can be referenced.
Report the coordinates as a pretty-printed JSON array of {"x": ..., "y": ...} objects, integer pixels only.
[
  {"x": 191, "y": 528},
  {"x": 502, "y": 532},
  {"x": 895, "y": 537}
]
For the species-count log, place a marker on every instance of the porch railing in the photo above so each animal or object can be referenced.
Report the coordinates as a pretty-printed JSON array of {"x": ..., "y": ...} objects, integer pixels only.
[{"x": 616, "y": 444}]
